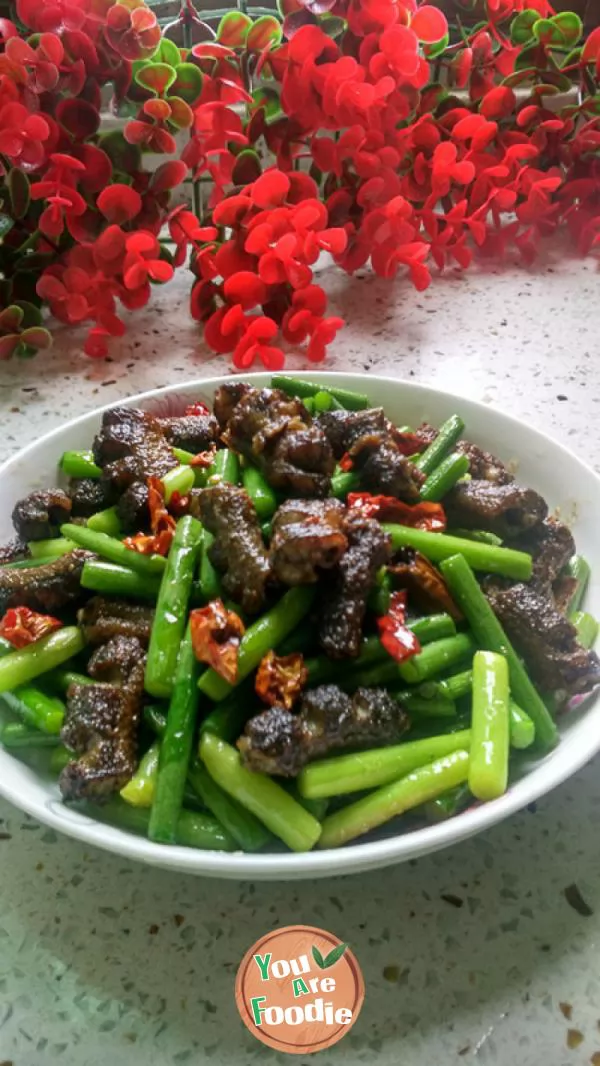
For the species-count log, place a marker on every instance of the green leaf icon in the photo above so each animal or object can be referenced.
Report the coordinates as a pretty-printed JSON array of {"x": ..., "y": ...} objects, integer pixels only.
[
  {"x": 316, "y": 954},
  {"x": 332, "y": 958}
]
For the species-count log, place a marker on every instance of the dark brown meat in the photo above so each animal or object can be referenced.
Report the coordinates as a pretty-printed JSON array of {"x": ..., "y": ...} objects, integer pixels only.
[
  {"x": 13, "y": 552},
  {"x": 281, "y": 742},
  {"x": 277, "y": 433},
  {"x": 44, "y": 588},
  {"x": 482, "y": 465},
  {"x": 507, "y": 510},
  {"x": 192, "y": 432},
  {"x": 308, "y": 536},
  {"x": 103, "y": 619},
  {"x": 551, "y": 545},
  {"x": 133, "y": 509},
  {"x": 88, "y": 495},
  {"x": 345, "y": 600},
  {"x": 545, "y": 639},
  {"x": 385, "y": 470},
  {"x": 101, "y": 723},
  {"x": 39, "y": 515},
  {"x": 238, "y": 550},
  {"x": 368, "y": 438},
  {"x": 344, "y": 428},
  {"x": 226, "y": 399},
  {"x": 132, "y": 446}
]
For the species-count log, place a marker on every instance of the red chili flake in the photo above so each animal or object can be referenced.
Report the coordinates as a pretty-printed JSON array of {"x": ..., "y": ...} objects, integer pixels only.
[
  {"x": 22, "y": 626},
  {"x": 346, "y": 462},
  {"x": 430, "y": 516},
  {"x": 197, "y": 408},
  {"x": 204, "y": 459},
  {"x": 281, "y": 678},
  {"x": 216, "y": 634},
  {"x": 398, "y": 640}
]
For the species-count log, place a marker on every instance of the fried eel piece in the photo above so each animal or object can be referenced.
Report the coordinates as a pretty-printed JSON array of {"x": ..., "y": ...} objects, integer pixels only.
[
  {"x": 277, "y": 433},
  {"x": 482, "y": 465},
  {"x": 39, "y": 515},
  {"x": 345, "y": 601},
  {"x": 281, "y": 742},
  {"x": 238, "y": 550},
  {"x": 545, "y": 638},
  {"x": 308, "y": 536},
  {"x": 507, "y": 510},
  {"x": 88, "y": 495},
  {"x": 102, "y": 619},
  {"x": 101, "y": 722},
  {"x": 192, "y": 432},
  {"x": 551, "y": 545},
  {"x": 368, "y": 438},
  {"x": 44, "y": 588}
]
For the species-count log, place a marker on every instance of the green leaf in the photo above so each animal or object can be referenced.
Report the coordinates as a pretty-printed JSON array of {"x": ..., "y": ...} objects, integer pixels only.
[
  {"x": 265, "y": 31},
  {"x": 37, "y": 338},
  {"x": 334, "y": 955},
  {"x": 233, "y": 29},
  {"x": 18, "y": 190},
  {"x": 316, "y": 954},
  {"x": 11, "y": 319},
  {"x": 529, "y": 57},
  {"x": 181, "y": 115},
  {"x": 333, "y": 25},
  {"x": 156, "y": 77},
  {"x": 269, "y": 99},
  {"x": 570, "y": 25},
  {"x": 591, "y": 105},
  {"x": 521, "y": 29},
  {"x": 247, "y": 167},
  {"x": 126, "y": 158},
  {"x": 188, "y": 82},
  {"x": 432, "y": 51},
  {"x": 167, "y": 52},
  {"x": 6, "y": 224},
  {"x": 32, "y": 316}
]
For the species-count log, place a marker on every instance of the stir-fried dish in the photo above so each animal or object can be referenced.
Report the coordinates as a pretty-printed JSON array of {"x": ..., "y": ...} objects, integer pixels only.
[{"x": 287, "y": 620}]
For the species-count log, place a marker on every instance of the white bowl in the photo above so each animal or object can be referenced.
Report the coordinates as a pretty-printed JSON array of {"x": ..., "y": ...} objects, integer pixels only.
[{"x": 554, "y": 471}]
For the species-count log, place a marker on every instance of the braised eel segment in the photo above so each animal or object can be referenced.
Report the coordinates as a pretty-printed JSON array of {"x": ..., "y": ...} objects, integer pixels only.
[
  {"x": 101, "y": 722},
  {"x": 14, "y": 551},
  {"x": 44, "y": 588},
  {"x": 482, "y": 465},
  {"x": 368, "y": 438},
  {"x": 133, "y": 507},
  {"x": 39, "y": 515},
  {"x": 277, "y": 433},
  {"x": 278, "y": 741},
  {"x": 345, "y": 598},
  {"x": 131, "y": 446},
  {"x": 238, "y": 550},
  {"x": 88, "y": 495},
  {"x": 193, "y": 432},
  {"x": 507, "y": 510},
  {"x": 104, "y": 619},
  {"x": 308, "y": 537},
  {"x": 545, "y": 639},
  {"x": 550, "y": 545}
]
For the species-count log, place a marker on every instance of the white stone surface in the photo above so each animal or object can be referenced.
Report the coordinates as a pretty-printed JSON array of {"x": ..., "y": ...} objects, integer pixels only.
[{"x": 467, "y": 955}]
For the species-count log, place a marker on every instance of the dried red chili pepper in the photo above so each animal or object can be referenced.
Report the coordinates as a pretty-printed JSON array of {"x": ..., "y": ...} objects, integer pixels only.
[
  {"x": 281, "y": 678},
  {"x": 178, "y": 504},
  {"x": 22, "y": 626},
  {"x": 216, "y": 633},
  {"x": 197, "y": 408},
  {"x": 425, "y": 584},
  {"x": 398, "y": 640},
  {"x": 422, "y": 515},
  {"x": 162, "y": 524},
  {"x": 346, "y": 462},
  {"x": 204, "y": 459}
]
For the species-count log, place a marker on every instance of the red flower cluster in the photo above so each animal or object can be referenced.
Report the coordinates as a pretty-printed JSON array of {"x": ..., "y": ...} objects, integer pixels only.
[{"x": 370, "y": 131}]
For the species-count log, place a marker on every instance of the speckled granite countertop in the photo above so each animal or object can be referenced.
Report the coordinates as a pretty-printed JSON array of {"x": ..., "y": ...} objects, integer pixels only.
[{"x": 471, "y": 955}]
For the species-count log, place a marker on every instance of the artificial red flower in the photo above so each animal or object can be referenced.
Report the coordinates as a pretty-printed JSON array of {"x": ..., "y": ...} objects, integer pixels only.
[
  {"x": 134, "y": 34},
  {"x": 430, "y": 516},
  {"x": 22, "y": 626},
  {"x": 398, "y": 640},
  {"x": 216, "y": 633},
  {"x": 22, "y": 135},
  {"x": 280, "y": 679}
]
